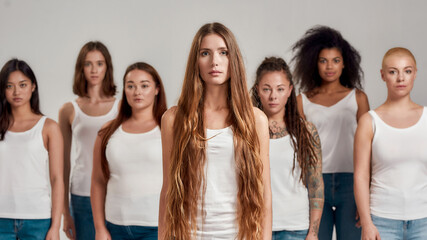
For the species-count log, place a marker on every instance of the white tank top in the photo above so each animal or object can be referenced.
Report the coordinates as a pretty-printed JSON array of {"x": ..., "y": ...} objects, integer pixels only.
[
  {"x": 336, "y": 126},
  {"x": 133, "y": 190},
  {"x": 290, "y": 195},
  {"x": 85, "y": 129},
  {"x": 399, "y": 170},
  {"x": 24, "y": 175},
  {"x": 220, "y": 206}
]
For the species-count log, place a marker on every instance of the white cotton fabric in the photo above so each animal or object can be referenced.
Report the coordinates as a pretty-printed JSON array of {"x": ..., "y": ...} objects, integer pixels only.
[
  {"x": 220, "y": 205},
  {"x": 399, "y": 170},
  {"x": 290, "y": 195},
  {"x": 336, "y": 126},
  {"x": 85, "y": 129},
  {"x": 24, "y": 175},
  {"x": 133, "y": 189}
]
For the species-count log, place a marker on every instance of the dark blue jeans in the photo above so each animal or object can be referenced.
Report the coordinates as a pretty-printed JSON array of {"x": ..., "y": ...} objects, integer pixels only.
[
  {"x": 289, "y": 235},
  {"x": 24, "y": 229},
  {"x": 339, "y": 209},
  {"x": 81, "y": 211},
  {"x": 121, "y": 232}
]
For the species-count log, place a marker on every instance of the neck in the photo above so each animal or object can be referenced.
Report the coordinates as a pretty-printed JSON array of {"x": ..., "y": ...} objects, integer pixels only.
[
  {"x": 278, "y": 117},
  {"x": 216, "y": 96},
  {"x": 399, "y": 102},
  {"x": 142, "y": 115},
  {"x": 22, "y": 112},
  {"x": 94, "y": 92},
  {"x": 330, "y": 87}
]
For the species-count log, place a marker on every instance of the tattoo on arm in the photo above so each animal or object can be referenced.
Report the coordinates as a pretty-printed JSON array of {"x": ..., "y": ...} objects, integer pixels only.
[
  {"x": 314, "y": 177},
  {"x": 314, "y": 228},
  {"x": 277, "y": 131}
]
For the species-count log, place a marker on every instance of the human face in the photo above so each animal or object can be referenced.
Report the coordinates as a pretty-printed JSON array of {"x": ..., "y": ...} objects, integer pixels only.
[
  {"x": 19, "y": 89},
  {"x": 140, "y": 89},
  {"x": 330, "y": 64},
  {"x": 94, "y": 67},
  {"x": 274, "y": 89},
  {"x": 213, "y": 60},
  {"x": 399, "y": 72}
]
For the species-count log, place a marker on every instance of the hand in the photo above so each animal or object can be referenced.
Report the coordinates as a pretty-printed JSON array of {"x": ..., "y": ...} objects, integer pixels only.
[
  {"x": 311, "y": 236},
  {"x": 358, "y": 224},
  {"x": 370, "y": 232},
  {"x": 68, "y": 226},
  {"x": 102, "y": 235},
  {"x": 52, "y": 234}
]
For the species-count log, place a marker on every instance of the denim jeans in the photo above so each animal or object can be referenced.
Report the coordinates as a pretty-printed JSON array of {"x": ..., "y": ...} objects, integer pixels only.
[
  {"x": 290, "y": 235},
  {"x": 391, "y": 229},
  {"x": 339, "y": 208},
  {"x": 81, "y": 211},
  {"x": 121, "y": 232},
  {"x": 24, "y": 229}
]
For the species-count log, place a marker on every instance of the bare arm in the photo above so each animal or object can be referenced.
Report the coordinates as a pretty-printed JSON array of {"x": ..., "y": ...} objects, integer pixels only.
[
  {"x": 167, "y": 140},
  {"x": 315, "y": 186},
  {"x": 54, "y": 146},
  {"x": 300, "y": 106},
  {"x": 362, "y": 103},
  {"x": 264, "y": 140},
  {"x": 98, "y": 190},
  {"x": 66, "y": 115},
  {"x": 362, "y": 167}
]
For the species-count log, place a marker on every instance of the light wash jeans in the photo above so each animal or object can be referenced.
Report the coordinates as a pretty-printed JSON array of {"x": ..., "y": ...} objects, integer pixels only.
[{"x": 391, "y": 229}]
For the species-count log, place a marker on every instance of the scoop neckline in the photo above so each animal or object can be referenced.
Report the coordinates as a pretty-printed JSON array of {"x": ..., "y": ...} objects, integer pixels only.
[
  {"x": 129, "y": 133},
  {"x": 29, "y": 130},
  {"x": 342, "y": 99},
  {"x": 406, "y": 128},
  {"x": 87, "y": 115}
]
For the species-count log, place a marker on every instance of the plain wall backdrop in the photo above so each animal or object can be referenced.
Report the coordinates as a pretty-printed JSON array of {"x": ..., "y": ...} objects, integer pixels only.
[{"x": 48, "y": 35}]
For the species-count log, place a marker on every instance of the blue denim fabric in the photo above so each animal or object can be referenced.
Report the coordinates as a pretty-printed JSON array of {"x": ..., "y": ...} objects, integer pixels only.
[
  {"x": 24, "y": 229},
  {"x": 81, "y": 211},
  {"x": 339, "y": 208},
  {"x": 290, "y": 235},
  {"x": 391, "y": 229},
  {"x": 121, "y": 232}
]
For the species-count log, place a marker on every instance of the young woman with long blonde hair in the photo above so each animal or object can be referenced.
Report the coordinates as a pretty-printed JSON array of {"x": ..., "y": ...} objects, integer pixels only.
[{"x": 216, "y": 173}]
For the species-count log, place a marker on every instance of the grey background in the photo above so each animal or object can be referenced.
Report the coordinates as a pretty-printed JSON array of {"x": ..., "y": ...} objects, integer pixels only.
[{"x": 48, "y": 35}]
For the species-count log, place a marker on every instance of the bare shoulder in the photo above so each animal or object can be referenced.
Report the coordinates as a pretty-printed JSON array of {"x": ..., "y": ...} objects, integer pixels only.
[
  {"x": 168, "y": 117},
  {"x": 361, "y": 95},
  {"x": 310, "y": 127},
  {"x": 260, "y": 116},
  {"x": 365, "y": 120},
  {"x": 51, "y": 126},
  {"x": 66, "y": 109}
]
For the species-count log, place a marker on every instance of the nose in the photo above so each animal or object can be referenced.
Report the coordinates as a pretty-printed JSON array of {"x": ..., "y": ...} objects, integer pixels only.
[
  {"x": 215, "y": 59},
  {"x": 273, "y": 95},
  {"x": 94, "y": 69},
  {"x": 400, "y": 77}
]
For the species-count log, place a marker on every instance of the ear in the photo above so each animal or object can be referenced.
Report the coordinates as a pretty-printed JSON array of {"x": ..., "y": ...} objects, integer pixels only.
[
  {"x": 33, "y": 88},
  {"x": 291, "y": 87},
  {"x": 157, "y": 91},
  {"x": 382, "y": 74}
]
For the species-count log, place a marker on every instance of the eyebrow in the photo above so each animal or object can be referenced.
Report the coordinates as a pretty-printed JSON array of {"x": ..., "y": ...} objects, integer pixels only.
[
  {"x": 131, "y": 81},
  {"x": 268, "y": 85},
  {"x": 209, "y": 49}
]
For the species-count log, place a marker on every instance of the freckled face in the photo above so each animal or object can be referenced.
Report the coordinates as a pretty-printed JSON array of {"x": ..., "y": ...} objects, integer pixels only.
[
  {"x": 94, "y": 67},
  {"x": 330, "y": 64},
  {"x": 399, "y": 73},
  {"x": 19, "y": 89},
  {"x": 274, "y": 89},
  {"x": 140, "y": 89},
  {"x": 213, "y": 60}
]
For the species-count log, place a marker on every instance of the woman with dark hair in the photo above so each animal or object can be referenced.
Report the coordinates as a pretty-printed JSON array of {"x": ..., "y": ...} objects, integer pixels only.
[
  {"x": 127, "y": 163},
  {"x": 80, "y": 121},
  {"x": 31, "y": 151},
  {"x": 216, "y": 173},
  {"x": 295, "y": 154},
  {"x": 328, "y": 71},
  {"x": 390, "y": 158}
]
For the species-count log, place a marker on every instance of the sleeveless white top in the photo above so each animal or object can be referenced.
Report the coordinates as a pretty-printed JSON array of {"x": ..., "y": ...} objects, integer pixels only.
[
  {"x": 85, "y": 129},
  {"x": 336, "y": 126},
  {"x": 133, "y": 190},
  {"x": 24, "y": 175},
  {"x": 399, "y": 170},
  {"x": 290, "y": 195},
  {"x": 220, "y": 206}
]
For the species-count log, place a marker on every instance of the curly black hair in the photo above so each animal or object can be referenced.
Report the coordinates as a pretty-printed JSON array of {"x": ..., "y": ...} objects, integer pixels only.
[{"x": 307, "y": 50}]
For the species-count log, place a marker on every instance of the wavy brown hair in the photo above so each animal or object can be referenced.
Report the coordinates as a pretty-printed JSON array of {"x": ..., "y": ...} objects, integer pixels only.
[
  {"x": 188, "y": 155},
  {"x": 80, "y": 83},
  {"x": 301, "y": 138},
  {"x": 125, "y": 110}
]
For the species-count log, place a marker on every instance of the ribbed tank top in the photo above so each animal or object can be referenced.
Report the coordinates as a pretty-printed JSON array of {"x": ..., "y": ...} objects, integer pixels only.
[
  {"x": 290, "y": 195},
  {"x": 220, "y": 203},
  {"x": 336, "y": 126},
  {"x": 24, "y": 175},
  {"x": 85, "y": 129},
  {"x": 133, "y": 190},
  {"x": 399, "y": 170}
]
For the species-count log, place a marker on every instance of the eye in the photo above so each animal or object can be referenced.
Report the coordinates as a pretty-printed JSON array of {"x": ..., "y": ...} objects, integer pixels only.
[
  {"x": 100, "y": 64},
  {"x": 224, "y": 52},
  {"x": 266, "y": 89},
  {"x": 322, "y": 61},
  {"x": 22, "y": 85},
  {"x": 204, "y": 53},
  {"x": 281, "y": 89},
  {"x": 408, "y": 71},
  {"x": 8, "y": 86},
  {"x": 87, "y": 64},
  {"x": 130, "y": 86},
  {"x": 145, "y": 85},
  {"x": 337, "y": 60},
  {"x": 391, "y": 72}
]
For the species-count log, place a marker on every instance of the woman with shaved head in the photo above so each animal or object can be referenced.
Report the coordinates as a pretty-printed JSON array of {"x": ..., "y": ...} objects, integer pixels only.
[{"x": 390, "y": 160}]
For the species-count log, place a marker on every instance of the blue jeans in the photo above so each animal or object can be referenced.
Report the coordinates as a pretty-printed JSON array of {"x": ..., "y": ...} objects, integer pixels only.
[
  {"x": 81, "y": 211},
  {"x": 290, "y": 235},
  {"x": 391, "y": 229},
  {"x": 339, "y": 208},
  {"x": 121, "y": 232},
  {"x": 24, "y": 229}
]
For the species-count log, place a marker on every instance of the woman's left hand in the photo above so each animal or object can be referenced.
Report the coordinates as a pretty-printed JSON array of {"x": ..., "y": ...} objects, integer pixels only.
[
  {"x": 52, "y": 234},
  {"x": 311, "y": 236}
]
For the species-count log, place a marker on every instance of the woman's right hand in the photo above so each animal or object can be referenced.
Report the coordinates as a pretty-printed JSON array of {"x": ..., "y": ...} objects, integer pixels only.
[
  {"x": 102, "y": 234},
  {"x": 68, "y": 226},
  {"x": 370, "y": 232}
]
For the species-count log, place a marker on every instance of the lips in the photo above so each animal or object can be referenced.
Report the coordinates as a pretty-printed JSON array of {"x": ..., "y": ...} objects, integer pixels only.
[
  {"x": 215, "y": 72},
  {"x": 330, "y": 74},
  {"x": 17, "y": 99}
]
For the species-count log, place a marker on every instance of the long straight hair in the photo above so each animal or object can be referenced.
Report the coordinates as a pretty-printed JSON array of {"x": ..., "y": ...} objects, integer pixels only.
[
  {"x": 188, "y": 157},
  {"x": 301, "y": 138},
  {"x": 6, "y": 117},
  {"x": 125, "y": 110}
]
